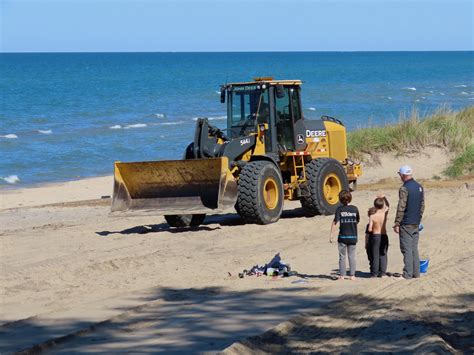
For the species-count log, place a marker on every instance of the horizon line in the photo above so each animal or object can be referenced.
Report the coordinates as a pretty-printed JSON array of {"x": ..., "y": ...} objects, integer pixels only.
[{"x": 245, "y": 51}]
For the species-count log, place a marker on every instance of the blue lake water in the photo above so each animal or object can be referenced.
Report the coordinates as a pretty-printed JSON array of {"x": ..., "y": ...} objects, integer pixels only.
[{"x": 69, "y": 116}]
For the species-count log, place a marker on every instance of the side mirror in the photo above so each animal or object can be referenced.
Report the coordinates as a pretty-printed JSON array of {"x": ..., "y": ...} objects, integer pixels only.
[
  {"x": 222, "y": 95},
  {"x": 280, "y": 91}
]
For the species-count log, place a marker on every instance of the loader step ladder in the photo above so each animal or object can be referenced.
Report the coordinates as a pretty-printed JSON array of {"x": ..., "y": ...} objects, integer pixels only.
[{"x": 298, "y": 165}]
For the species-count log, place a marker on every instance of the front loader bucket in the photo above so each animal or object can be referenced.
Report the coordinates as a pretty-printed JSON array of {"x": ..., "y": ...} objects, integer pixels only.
[{"x": 174, "y": 186}]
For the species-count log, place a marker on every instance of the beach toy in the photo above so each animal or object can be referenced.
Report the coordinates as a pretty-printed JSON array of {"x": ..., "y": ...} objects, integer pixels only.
[{"x": 424, "y": 265}]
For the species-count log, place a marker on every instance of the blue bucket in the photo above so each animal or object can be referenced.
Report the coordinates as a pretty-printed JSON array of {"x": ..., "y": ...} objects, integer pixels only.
[{"x": 424, "y": 265}]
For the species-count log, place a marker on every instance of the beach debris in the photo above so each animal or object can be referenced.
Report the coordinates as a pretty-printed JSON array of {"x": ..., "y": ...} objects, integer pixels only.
[
  {"x": 276, "y": 267},
  {"x": 300, "y": 281}
]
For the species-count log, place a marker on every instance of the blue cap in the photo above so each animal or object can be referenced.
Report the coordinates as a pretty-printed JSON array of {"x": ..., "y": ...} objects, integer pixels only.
[{"x": 405, "y": 170}]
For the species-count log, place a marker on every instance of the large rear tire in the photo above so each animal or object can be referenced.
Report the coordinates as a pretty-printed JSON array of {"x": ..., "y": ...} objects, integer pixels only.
[
  {"x": 325, "y": 179},
  {"x": 260, "y": 193},
  {"x": 185, "y": 220}
]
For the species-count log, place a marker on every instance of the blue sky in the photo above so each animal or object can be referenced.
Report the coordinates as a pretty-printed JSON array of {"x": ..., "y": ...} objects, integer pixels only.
[{"x": 230, "y": 25}]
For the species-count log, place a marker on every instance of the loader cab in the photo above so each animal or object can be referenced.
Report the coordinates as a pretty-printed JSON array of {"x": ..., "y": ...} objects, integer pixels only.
[{"x": 276, "y": 103}]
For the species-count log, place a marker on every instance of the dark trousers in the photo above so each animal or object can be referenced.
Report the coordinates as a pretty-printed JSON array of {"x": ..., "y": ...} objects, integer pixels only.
[
  {"x": 378, "y": 248},
  {"x": 409, "y": 247}
]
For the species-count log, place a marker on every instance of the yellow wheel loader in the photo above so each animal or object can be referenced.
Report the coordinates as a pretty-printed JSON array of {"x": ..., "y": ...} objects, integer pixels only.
[{"x": 267, "y": 154}]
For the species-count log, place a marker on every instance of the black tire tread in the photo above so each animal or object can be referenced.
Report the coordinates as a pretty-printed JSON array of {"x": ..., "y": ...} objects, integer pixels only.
[
  {"x": 248, "y": 201},
  {"x": 312, "y": 204},
  {"x": 183, "y": 221}
]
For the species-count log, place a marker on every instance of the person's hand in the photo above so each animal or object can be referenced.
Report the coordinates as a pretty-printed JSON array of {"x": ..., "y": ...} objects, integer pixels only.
[
  {"x": 396, "y": 228},
  {"x": 330, "y": 239}
]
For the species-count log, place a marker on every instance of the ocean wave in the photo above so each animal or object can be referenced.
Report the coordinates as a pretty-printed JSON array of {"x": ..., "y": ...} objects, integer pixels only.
[
  {"x": 136, "y": 125},
  {"x": 312, "y": 108},
  {"x": 389, "y": 97},
  {"x": 170, "y": 123},
  {"x": 442, "y": 93},
  {"x": 46, "y": 131},
  {"x": 460, "y": 86},
  {"x": 117, "y": 126},
  {"x": 159, "y": 115},
  {"x": 217, "y": 92},
  {"x": 10, "y": 136},
  {"x": 215, "y": 118},
  {"x": 410, "y": 88},
  {"x": 11, "y": 179},
  {"x": 463, "y": 93}
]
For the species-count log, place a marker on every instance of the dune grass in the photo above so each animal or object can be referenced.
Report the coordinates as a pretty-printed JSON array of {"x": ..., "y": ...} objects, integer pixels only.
[{"x": 452, "y": 130}]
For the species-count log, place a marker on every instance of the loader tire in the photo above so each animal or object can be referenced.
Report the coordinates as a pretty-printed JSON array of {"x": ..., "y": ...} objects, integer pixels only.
[
  {"x": 260, "y": 193},
  {"x": 325, "y": 179},
  {"x": 185, "y": 220}
]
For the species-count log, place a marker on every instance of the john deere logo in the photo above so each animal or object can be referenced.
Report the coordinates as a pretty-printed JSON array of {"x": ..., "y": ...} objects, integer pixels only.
[{"x": 300, "y": 139}]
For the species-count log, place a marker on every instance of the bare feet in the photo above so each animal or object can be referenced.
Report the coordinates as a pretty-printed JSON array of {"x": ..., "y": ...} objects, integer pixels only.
[
  {"x": 340, "y": 278},
  {"x": 353, "y": 278}
]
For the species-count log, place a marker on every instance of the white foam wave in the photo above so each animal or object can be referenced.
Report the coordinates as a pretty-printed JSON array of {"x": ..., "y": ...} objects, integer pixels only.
[
  {"x": 417, "y": 100},
  {"x": 389, "y": 97},
  {"x": 312, "y": 108},
  {"x": 171, "y": 123},
  {"x": 460, "y": 86},
  {"x": 46, "y": 131},
  {"x": 160, "y": 115},
  {"x": 463, "y": 93},
  {"x": 217, "y": 92},
  {"x": 216, "y": 118},
  {"x": 11, "y": 179},
  {"x": 136, "y": 125},
  {"x": 410, "y": 88},
  {"x": 117, "y": 126},
  {"x": 441, "y": 93},
  {"x": 10, "y": 136}
]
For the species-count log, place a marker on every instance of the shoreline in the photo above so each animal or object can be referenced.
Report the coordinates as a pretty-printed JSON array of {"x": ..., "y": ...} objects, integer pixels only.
[{"x": 427, "y": 164}]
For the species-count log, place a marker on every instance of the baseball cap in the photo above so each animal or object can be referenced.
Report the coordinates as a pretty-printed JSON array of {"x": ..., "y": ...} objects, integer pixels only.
[{"x": 405, "y": 170}]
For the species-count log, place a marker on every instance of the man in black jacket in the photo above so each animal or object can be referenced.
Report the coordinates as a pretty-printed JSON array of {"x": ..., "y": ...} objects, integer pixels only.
[{"x": 411, "y": 205}]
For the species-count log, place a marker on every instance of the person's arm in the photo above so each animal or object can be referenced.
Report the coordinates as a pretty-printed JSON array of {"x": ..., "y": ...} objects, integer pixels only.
[
  {"x": 371, "y": 224},
  {"x": 335, "y": 222},
  {"x": 422, "y": 209},
  {"x": 331, "y": 233},
  {"x": 402, "y": 204}
]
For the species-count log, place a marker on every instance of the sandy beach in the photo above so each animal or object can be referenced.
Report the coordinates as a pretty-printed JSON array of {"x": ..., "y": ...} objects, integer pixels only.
[{"x": 76, "y": 279}]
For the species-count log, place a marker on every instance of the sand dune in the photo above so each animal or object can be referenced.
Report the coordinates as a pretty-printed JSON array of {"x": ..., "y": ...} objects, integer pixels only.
[{"x": 75, "y": 279}]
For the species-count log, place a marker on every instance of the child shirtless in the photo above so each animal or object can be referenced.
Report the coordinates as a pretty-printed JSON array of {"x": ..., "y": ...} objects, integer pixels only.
[{"x": 378, "y": 242}]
